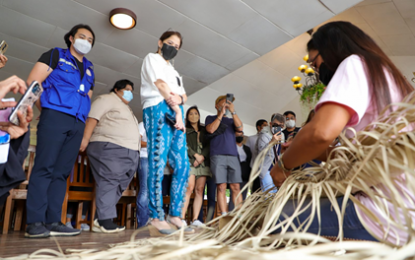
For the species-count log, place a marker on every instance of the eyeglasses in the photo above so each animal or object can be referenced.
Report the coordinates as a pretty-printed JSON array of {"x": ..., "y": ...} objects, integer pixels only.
[{"x": 314, "y": 59}]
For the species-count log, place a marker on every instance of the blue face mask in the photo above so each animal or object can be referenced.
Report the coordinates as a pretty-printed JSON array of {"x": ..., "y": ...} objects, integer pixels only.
[{"x": 128, "y": 95}]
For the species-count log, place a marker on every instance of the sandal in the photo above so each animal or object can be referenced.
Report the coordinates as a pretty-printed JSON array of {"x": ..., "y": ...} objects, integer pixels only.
[
  {"x": 155, "y": 232},
  {"x": 187, "y": 230}
]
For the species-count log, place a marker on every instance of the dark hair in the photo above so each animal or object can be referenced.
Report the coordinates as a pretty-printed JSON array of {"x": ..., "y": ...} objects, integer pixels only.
[
  {"x": 122, "y": 84},
  {"x": 309, "y": 117},
  {"x": 336, "y": 41},
  {"x": 311, "y": 45},
  {"x": 259, "y": 123},
  {"x": 188, "y": 124},
  {"x": 286, "y": 113},
  {"x": 74, "y": 30},
  {"x": 168, "y": 34}
]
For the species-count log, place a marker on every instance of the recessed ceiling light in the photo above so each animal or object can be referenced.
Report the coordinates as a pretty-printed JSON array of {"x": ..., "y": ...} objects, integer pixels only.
[{"x": 122, "y": 18}]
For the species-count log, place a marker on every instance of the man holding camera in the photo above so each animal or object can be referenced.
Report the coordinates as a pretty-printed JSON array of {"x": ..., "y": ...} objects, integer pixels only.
[
  {"x": 224, "y": 162},
  {"x": 273, "y": 133}
]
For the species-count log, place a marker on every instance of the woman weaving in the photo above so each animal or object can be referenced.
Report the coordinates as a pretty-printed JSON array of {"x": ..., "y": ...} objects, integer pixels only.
[{"x": 364, "y": 83}]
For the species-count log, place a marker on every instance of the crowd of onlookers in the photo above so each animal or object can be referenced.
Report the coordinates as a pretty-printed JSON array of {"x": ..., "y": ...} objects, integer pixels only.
[
  {"x": 171, "y": 153},
  {"x": 221, "y": 157},
  {"x": 215, "y": 155}
]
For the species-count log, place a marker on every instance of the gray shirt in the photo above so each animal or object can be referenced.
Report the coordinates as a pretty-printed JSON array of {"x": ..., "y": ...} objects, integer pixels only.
[{"x": 264, "y": 137}]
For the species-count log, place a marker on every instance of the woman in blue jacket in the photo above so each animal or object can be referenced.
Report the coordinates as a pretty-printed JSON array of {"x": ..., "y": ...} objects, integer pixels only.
[{"x": 68, "y": 80}]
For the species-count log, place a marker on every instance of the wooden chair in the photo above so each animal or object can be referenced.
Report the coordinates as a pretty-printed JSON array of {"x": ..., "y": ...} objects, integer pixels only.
[
  {"x": 82, "y": 178},
  {"x": 20, "y": 194},
  {"x": 128, "y": 202}
]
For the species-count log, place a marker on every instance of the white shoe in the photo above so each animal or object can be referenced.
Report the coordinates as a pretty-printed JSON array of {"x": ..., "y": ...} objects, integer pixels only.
[
  {"x": 96, "y": 227},
  {"x": 100, "y": 229},
  {"x": 85, "y": 227},
  {"x": 69, "y": 225},
  {"x": 197, "y": 223}
]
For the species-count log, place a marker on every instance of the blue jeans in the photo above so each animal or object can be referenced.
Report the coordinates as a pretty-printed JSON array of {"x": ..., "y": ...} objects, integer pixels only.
[
  {"x": 352, "y": 227},
  {"x": 142, "y": 197},
  {"x": 267, "y": 183}
]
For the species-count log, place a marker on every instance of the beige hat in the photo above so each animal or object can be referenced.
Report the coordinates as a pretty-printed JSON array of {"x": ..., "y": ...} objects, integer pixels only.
[{"x": 222, "y": 97}]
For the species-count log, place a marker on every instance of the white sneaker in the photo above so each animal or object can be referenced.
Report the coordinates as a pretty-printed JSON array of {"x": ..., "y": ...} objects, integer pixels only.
[
  {"x": 69, "y": 225},
  {"x": 85, "y": 227},
  {"x": 96, "y": 227},
  {"x": 197, "y": 223}
]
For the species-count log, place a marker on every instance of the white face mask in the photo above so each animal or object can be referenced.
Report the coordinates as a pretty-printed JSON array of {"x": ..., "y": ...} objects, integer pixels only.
[
  {"x": 82, "y": 46},
  {"x": 290, "y": 123}
]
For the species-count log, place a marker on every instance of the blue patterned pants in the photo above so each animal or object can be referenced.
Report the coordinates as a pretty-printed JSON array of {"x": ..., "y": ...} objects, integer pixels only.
[{"x": 165, "y": 143}]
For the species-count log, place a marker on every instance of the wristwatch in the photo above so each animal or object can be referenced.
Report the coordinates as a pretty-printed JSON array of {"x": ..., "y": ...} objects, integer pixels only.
[
  {"x": 281, "y": 165},
  {"x": 233, "y": 113},
  {"x": 182, "y": 100}
]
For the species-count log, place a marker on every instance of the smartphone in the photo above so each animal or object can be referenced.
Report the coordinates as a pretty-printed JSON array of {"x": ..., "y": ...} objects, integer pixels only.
[
  {"x": 28, "y": 99},
  {"x": 3, "y": 47},
  {"x": 229, "y": 97},
  {"x": 276, "y": 129}
]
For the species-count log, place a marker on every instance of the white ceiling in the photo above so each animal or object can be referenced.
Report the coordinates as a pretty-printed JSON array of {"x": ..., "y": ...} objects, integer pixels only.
[
  {"x": 263, "y": 86},
  {"x": 220, "y": 36}
]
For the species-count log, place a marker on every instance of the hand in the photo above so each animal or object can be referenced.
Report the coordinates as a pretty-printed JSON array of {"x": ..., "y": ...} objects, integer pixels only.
[
  {"x": 199, "y": 158},
  {"x": 196, "y": 163},
  {"x": 3, "y": 61},
  {"x": 84, "y": 144},
  {"x": 17, "y": 131},
  {"x": 174, "y": 99},
  {"x": 277, "y": 137},
  {"x": 13, "y": 84},
  {"x": 278, "y": 176},
  {"x": 222, "y": 110},
  {"x": 231, "y": 107}
]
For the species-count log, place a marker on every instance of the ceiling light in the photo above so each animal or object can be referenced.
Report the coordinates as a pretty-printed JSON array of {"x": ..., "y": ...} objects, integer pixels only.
[{"x": 122, "y": 18}]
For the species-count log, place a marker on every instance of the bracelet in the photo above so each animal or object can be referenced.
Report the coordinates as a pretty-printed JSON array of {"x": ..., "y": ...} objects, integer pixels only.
[
  {"x": 281, "y": 164},
  {"x": 220, "y": 120},
  {"x": 182, "y": 100},
  {"x": 239, "y": 126}
]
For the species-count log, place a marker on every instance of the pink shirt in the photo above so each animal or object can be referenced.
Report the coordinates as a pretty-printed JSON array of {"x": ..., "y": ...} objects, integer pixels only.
[{"x": 349, "y": 87}]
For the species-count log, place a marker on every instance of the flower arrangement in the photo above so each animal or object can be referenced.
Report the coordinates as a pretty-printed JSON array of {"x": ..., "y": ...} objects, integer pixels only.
[
  {"x": 312, "y": 92},
  {"x": 313, "y": 89}
]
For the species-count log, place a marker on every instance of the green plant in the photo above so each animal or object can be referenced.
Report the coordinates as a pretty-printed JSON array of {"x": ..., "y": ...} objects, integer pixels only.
[{"x": 312, "y": 93}]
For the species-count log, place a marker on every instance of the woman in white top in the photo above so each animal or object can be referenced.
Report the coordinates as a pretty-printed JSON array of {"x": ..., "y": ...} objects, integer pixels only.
[
  {"x": 364, "y": 82},
  {"x": 162, "y": 97}
]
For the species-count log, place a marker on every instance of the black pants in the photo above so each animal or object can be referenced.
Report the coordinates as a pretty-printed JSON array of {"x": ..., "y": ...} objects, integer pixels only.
[{"x": 59, "y": 137}]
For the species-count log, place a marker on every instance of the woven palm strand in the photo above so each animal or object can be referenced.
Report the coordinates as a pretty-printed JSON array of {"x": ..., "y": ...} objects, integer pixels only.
[{"x": 377, "y": 155}]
